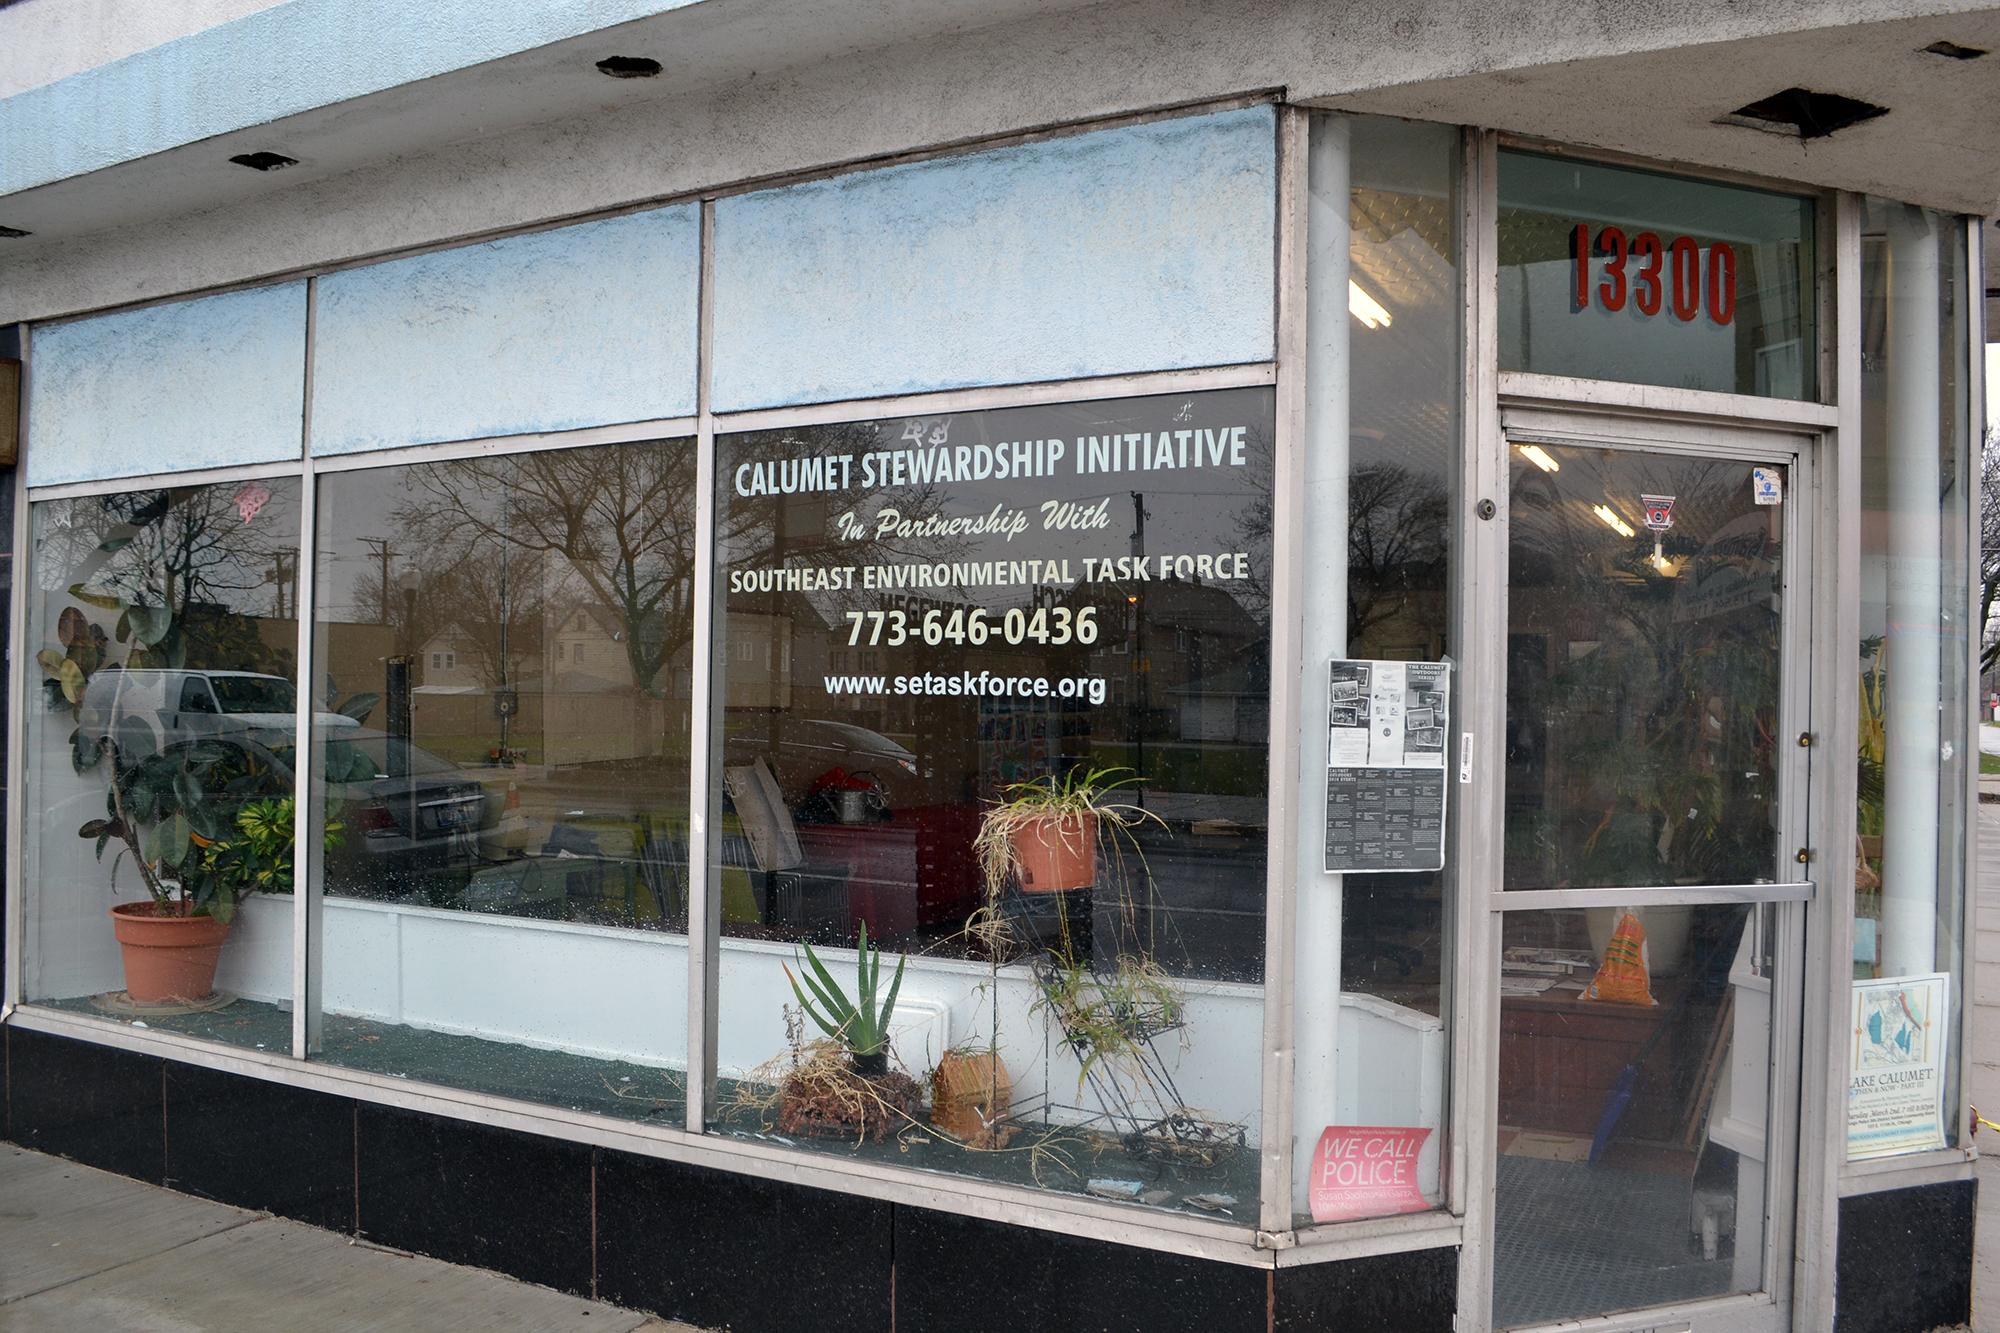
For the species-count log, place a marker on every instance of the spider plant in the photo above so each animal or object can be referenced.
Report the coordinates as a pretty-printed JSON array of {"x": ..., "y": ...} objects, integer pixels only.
[{"x": 1066, "y": 808}]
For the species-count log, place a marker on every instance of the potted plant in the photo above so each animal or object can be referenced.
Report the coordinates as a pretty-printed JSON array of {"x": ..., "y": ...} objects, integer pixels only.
[
  {"x": 844, "y": 1085},
  {"x": 971, "y": 1094},
  {"x": 172, "y": 815},
  {"x": 1044, "y": 833}
]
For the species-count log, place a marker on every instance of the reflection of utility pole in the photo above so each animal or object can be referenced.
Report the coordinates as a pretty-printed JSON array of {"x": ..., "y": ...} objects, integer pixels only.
[
  {"x": 381, "y": 545},
  {"x": 506, "y": 704},
  {"x": 282, "y": 573},
  {"x": 1142, "y": 694}
]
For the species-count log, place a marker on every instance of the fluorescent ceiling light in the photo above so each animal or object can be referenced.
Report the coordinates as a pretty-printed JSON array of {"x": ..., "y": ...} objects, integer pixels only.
[
  {"x": 1539, "y": 456},
  {"x": 1612, "y": 521},
  {"x": 1366, "y": 308}
]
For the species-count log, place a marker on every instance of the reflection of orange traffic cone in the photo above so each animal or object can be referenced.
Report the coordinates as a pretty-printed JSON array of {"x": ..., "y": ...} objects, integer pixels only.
[{"x": 512, "y": 828}]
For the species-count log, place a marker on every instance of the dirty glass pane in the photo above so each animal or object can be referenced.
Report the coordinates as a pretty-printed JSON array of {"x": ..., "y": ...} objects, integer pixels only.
[
  {"x": 1916, "y": 485},
  {"x": 503, "y": 698},
  {"x": 1633, "y": 1109},
  {"x": 1614, "y": 273},
  {"x": 162, "y": 718},
  {"x": 1643, "y": 668},
  {"x": 928, "y": 631}
]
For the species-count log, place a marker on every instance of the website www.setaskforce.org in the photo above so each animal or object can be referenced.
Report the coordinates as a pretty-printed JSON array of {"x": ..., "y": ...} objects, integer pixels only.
[{"x": 973, "y": 684}]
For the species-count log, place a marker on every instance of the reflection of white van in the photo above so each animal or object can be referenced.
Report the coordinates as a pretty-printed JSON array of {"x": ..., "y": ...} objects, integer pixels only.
[{"x": 147, "y": 708}]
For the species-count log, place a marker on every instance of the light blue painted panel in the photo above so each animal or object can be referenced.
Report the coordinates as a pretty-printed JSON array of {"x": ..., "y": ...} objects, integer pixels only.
[
  {"x": 1148, "y": 247},
  {"x": 555, "y": 330},
  {"x": 211, "y": 382},
  {"x": 277, "y": 62}
]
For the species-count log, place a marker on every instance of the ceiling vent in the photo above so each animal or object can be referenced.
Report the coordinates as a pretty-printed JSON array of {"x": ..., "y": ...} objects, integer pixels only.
[
  {"x": 1953, "y": 51},
  {"x": 629, "y": 67},
  {"x": 1803, "y": 114},
  {"x": 10, "y": 233},
  {"x": 264, "y": 161}
]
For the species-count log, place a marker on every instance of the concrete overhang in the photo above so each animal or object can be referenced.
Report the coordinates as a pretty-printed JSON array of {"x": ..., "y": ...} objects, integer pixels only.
[{"x": 391, "y": 156}]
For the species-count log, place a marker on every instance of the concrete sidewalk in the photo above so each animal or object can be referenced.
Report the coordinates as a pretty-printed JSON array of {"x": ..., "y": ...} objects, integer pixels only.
[{"x": 84, "y": 1249}]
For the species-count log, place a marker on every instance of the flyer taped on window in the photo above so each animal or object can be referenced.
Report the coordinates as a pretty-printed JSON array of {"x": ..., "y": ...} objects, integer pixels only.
[{"x": 1385, "y": 764}]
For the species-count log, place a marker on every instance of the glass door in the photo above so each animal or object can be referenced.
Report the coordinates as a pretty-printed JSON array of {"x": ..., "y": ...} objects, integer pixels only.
[{"x": 1651, "y": 918}]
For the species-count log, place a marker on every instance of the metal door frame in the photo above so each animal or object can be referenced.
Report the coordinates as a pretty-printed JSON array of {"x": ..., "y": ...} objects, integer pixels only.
[{"x": 1535, "y": 408}]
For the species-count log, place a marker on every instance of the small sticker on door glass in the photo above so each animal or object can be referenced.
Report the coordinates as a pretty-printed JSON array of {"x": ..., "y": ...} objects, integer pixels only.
[{"x": 1767, "y": 486}]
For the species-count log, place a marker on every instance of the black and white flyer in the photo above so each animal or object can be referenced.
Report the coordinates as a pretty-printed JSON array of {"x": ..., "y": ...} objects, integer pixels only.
[{"x": 1385, "y": 764}]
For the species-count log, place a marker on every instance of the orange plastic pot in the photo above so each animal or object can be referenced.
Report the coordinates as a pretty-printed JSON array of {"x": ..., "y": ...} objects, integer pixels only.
[
  {"x": 168, "y": 957},
  {"x": 1057, "y": 852}
]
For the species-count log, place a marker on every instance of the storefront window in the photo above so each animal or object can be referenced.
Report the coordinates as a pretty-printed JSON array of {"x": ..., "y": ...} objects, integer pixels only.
[
  {"x": 1615, "y": 273},
  {"x": 1916, "y": 484},
  {"x": 992, "y": 705},
  {"x": 1380, "y": 474},
  {"x": 503, "y": 686},
  {"x": 160, "y": 756}
]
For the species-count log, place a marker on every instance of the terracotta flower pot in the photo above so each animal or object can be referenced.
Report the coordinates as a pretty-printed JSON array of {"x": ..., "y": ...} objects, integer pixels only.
[
  {"x": 1057, "y": 852},
  {"x": 167, "y": 957},
  {"x": 970, "y": 1093}
]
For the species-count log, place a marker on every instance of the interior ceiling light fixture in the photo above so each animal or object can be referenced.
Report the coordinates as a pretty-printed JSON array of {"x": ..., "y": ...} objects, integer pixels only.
[
  {"x": 1539, "y": 456},
  {"x": 10, "y": 233},
  {"x": 1803, "y": 114},
  {"x": 1953, "y": 51},
  {"x": 1366, "y": 308},
  {"x": 629, "y": 67},
  {"x": 264, "y": 161},
  {"x": 1612, "y": 521}
]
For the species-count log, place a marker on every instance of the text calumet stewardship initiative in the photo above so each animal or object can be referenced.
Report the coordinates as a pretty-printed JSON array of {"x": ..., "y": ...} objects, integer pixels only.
[{"x": 1135, "y": 451}]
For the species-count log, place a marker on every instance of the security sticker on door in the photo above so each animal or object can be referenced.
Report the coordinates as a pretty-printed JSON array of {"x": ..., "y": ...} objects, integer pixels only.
[{"x": 1767, "y": 486}]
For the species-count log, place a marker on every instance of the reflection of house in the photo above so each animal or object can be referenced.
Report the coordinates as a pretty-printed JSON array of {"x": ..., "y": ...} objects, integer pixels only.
[
  {"x": 447, "y": 659},
  {"x": 585, "y": 651},
  {"x": 1181, "y": 645},
  {"x": 1232, "y": 705}
]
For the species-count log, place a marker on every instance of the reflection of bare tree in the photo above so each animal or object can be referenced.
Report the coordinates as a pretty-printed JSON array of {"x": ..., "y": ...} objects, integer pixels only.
[
  {"x": 182, "y": 564},
  {"x": 1395, "y": 544},
  {"x": 491, "y": 598},
  {"x": 620, "y": 519}
]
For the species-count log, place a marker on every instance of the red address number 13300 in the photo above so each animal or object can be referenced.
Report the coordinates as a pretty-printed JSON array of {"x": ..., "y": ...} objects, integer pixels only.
[{"x": 1677, "y": 276}]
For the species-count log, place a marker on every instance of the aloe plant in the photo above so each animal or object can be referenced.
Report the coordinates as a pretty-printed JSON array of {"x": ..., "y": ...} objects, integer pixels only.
[{"x": 860, "y": 1025}]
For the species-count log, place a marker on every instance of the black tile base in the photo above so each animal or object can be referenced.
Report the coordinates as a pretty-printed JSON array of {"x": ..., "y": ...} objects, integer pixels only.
[
  {"x": 1905, "y": 1259},
  {"x": 972, "y": 1276},
  {"x": 1414, "y": 1292},
  {"x": 264, "y": 1146},
  {"x": 472, "y": 1194},
  {"x": 92, "y": 1104},
  {"x": 726, "y": 1251}
]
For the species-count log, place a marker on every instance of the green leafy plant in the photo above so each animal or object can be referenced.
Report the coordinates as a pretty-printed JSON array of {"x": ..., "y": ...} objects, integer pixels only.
[
  {"x": 257, "y": 857},
  {"x": 1109, "y": 1015},
  {"x": 171, "y": 810},
  {"x": 861, "y": 1025}
]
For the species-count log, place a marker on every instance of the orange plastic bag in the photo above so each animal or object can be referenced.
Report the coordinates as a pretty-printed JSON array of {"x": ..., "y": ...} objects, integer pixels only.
[{"x": 1623, "y": 977}]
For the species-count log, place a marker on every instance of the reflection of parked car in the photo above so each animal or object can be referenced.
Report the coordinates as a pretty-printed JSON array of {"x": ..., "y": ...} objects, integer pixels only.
[
  {"x": 146, "y": 709},
  {"x": 412, "y": 820},
  {"x": 807, "y": 748}
]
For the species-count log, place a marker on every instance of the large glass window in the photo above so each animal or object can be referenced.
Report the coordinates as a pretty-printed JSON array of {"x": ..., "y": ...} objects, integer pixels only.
[
  {"x": 160, "y": 756},
  {"x": 992, "y": 707},
  {"x": 1615, "y": 273},
  {"x": 1373, "y": 947},
  {"x": 502, "y": 692},
  {"x": 1916, "y": 486}
]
